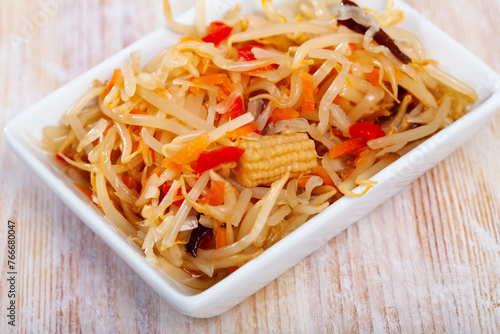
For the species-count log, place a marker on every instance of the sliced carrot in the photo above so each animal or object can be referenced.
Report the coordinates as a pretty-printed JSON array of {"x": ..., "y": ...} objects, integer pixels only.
[
  {"x": 153, "y": 155},
  {"x": 215, "y": 194},
  {"x": 321, "y": 172},
  {"x": 167, "y": 163},
  {"x": 107, "y": 129},
  {"x": 307, "y": 93},
  {"x": 84, "y": 189},
  {"x": 192, "y": 150},
  {"x": 138, "y": 112},
  {"x": 346, "y": 175},
  {"x": 313, "y": 69},
  {"x": 114, "y": 79},
  {"x": 194, "y": 90},
  {"x": 338, "y": 99},
  {"x": 353, "y": 47},
  {"x": 190, "y": 38},
  {"x": 361, "y": 157},
  {"x": 243, "y": 130},
  {"x": 210, "y": 79},
  {"x": 373, "y": 77},
  {"x": 155, "y": 171},
  {"x": 232, "y": 269},
  {"x": 316, "y": 171},
  {"x": 228, "y": 86},
  {"x": 279, "y": 114},
  {"x": 348, "y": 146},
  {"x": 220, "y": 237},
  {"x": 303, "y": 180},
  {"x": 130, "y": 182},
  {"x": 337, "y": 132}
]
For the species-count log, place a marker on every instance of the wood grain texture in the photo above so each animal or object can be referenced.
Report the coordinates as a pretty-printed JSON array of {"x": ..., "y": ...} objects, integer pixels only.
[{"x": 428, "y": 260}]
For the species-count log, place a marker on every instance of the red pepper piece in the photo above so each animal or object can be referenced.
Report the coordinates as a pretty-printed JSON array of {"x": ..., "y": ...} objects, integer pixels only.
[
  {"x": 366, "y": 130},
  {"x": 211, "y": 159},
  {"x": 166, "y": 188},
  {"x": 236, "y": 109},
  {"x": 245, "y": 54},
  {"x": 217, "y": 32}
]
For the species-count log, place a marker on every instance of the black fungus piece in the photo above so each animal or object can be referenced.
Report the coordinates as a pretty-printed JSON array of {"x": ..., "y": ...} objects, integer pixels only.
[
  {"x": 195, "y": 239},
  {"x": 394, "y": 109},
  {"x": 380, "y": 36}
]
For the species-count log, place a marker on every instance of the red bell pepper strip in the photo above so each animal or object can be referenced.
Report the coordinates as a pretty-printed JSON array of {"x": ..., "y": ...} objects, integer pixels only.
[
  {"x": 217, "y": 32},
  {"x": 245, "y": 54},
  {"x": 211, "y": 159},
  {"x": 366, "y": 130},
  {"x": 236, "y": 109},
  {"x": 165, "y": 188}
]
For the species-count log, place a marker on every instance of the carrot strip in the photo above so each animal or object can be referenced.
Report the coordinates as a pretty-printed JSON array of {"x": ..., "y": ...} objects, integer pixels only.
[
  {"x": 167, "y": 163},
  {"x": 243, "y": 130},
  {"x": 228, "y": 86},
  {"x": 192, "y": 150},
  {"x": 84, "y": 189},
  {"x": 114, "y": 79},
  {"x": 348, "y": 146},
  {"x": 307, "y": 93},
  {"x": 321, "y": 172},
  {"x": 215, "y": 194},
  {"x": 190, "y": 38},
  {"x": 316, "y": 171},
  {"x": 138, "y": 112},
  {"x": 373, "y": 77},
  {"x": 210, "y": 79},
  {"x": 155, "y": 171},
  {"x": 130, "y": 182},
  {"x": 232, "y": 269},
  {"x": 303, "y": 180},
  {"x": 279, "y": 114},
  {"x": 346, "y": 175},
  {"x": 107, "y": 129},
  {"x": 220, "y": 237}
]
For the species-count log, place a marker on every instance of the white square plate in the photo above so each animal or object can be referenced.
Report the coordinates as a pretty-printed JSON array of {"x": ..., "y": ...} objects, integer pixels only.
[{"x": 273, "y": 262}]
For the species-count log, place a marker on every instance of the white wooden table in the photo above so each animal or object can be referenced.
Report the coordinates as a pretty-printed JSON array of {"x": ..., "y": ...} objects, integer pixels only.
[{"x": 428, "y": 260}]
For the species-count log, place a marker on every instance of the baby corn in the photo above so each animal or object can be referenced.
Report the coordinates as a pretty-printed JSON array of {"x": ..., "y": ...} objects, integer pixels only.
[{"x": 269, "y": 158}]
